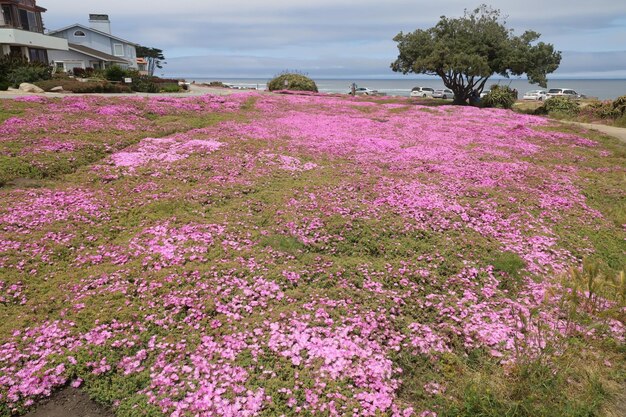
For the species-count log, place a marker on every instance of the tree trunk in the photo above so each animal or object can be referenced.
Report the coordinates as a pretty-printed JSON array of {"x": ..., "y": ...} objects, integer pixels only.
[
  {"x": 460, "y": 100},
  {"x": 460, "y": 96}
]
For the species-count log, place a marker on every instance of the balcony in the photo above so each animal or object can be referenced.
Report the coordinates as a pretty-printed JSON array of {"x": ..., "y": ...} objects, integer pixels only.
[{"x": 18, "y": 37}]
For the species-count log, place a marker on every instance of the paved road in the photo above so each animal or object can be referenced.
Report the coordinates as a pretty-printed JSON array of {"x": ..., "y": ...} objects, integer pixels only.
[
  {"x": 194, "y": 90},
  {"x": 618, "y": 132}
]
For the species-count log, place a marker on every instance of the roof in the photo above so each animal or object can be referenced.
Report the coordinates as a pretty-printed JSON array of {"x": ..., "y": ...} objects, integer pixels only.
[
  {"x": 52, "y": 32},
  {"x": 95, "y": 54}
]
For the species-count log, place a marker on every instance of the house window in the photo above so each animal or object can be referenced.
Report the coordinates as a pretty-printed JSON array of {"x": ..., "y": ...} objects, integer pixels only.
[
  {"x": 118, "y": 49},
  {"x": 79, "y": 34},
  {"x": 23, "y": 18},
  {"x": 60, "y": 66},
  {"x": 32, "y": 22},
  {"x": 38, "y": 55},
  {"x": 7, "y": 20}
]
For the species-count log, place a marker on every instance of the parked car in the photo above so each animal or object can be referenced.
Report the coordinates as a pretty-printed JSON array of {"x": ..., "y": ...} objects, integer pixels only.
[
  {"x": 422, "y": 92},
  {"x": 443, "y": 93},
  {"x": 537, "y": 95},
  {"x": 364, "y": 91},
  {"x": 484, "y": 93},
  {"x": 563, "y": 92}
]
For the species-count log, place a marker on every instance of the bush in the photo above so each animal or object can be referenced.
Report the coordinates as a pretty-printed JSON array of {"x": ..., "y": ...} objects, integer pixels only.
[
  {"x": 292, "y": 81},
  {"x": 4, "y": 85},
  {"x": 499, "y": 97},
  {"x": 115, "y": 73},
  {"x": 144, "y": 84},
  {"x": 151, "y": 84},
  {"x": 15, "y": 69},
  {"x": 83, "y": 72},
  {"x": 619, "y": 105},
  {"x": 598, "y": 110},
  {"x": 559, "y": 106},
  {"x": 169, "y": 88},
  {"x": 84, "y": 87},
  {"x": 217, "y": 84}
]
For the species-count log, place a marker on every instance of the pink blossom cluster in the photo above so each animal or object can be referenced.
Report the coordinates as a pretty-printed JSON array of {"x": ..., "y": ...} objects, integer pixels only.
[
  {"x": 33, "y": 210},
  {"x": 12, "y": 293},
  {"x": 162, "y": 150}
]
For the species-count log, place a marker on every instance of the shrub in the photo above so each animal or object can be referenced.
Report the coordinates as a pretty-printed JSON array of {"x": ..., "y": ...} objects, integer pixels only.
[
  {"x": 292, "y": 81},
  {"x": 78, "y": 71},
  {"x": 217, "y": 84},
  {"x": 599, "y": 110},
  {"x": 15, "y": 69},
  {"x": 84, "y": 87},
  {"x": 4, "y": 85},
  {"x": 619, "y": 105},
  {"x": 151, "y": 84},
  {"x": 499, "y": 97},
  {"x": 559, "y": 106},
  {"x": 169, "y": 88},
  {"x": 83, "y": 72},
  {"x": 144, "y": 84},
  {"x": 115, "y": 73}
]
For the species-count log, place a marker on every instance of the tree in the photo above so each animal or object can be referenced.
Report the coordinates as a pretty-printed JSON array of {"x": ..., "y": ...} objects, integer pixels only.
[
  {"x": 466, "y": 51},
  {"x": 154, "y": 57}
]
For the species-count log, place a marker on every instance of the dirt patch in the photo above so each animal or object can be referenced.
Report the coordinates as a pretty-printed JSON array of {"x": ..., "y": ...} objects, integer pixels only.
[{"x": 69, "y": 402}]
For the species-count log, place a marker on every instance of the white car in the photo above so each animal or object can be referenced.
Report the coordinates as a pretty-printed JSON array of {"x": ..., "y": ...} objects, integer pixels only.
[
  {"x": 422, "y": 92},
  {"x": 364, "y": 91},
  {"x": 537, "y": 95},
  {"x": 563, "y": 92},
  {"x": 484, "y": 93},
  {"x": 443, "y": 93}
]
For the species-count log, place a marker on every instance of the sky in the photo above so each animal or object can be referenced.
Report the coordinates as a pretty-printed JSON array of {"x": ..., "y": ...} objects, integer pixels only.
[{"x": 338, "y": 38}]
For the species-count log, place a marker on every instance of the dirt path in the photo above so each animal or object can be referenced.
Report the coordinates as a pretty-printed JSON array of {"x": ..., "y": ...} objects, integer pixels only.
[{"x": 618, "y": 132}]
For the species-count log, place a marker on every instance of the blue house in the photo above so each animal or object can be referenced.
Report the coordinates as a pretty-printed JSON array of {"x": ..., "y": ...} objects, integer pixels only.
[{"x": 93, "y": 47}]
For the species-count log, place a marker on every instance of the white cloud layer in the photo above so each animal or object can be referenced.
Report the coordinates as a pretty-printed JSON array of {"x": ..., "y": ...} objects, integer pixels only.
[{"x": 337, "y": 37}]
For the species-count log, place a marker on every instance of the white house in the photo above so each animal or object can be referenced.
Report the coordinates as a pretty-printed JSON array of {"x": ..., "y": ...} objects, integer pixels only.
[
  {"x": 93, "y": 46},
  {"x": 21, "y": 31}
]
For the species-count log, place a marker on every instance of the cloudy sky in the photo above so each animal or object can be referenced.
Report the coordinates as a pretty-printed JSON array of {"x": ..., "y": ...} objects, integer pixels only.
[{"x": 338, "y": 38}]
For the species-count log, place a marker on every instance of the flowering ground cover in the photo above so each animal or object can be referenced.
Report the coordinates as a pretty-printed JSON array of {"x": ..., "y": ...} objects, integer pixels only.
[{"x": 297, "y": 255}]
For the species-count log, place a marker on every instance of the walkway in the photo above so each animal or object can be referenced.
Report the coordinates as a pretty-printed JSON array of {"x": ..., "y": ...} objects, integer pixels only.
[{"x": 617, "y": 132}]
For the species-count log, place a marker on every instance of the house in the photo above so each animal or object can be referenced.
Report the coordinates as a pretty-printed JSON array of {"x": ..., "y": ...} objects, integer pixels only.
[
  {"x": 21, "y": 31},
  {"x": 93, "y": 46}
]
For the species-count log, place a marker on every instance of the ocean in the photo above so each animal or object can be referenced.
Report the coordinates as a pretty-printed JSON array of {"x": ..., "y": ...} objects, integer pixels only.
[{"x": 602, "y": 89}]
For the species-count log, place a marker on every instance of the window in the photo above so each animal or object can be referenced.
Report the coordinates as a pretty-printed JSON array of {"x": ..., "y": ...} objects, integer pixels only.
[
  {"x": 38, "y": 55},
  {"x": 24, "y": 19},
  {"x": 79, "y": 34},
  {"x": 60, "y": 66},
  {"x": 6, "y": 14},
  {"x": 32, "y": 22},
  {"x": 118, "y": 49}
]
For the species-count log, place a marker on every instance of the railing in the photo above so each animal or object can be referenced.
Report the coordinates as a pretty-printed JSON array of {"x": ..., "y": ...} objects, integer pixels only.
[{"x": 31, "y": 29}]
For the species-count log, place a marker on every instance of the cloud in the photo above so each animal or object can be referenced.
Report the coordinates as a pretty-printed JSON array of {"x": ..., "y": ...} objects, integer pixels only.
[
  {"x": 574, "y": 65},
  {"x": 591, "y": 64},
  {"x": 328, "y": 34}
]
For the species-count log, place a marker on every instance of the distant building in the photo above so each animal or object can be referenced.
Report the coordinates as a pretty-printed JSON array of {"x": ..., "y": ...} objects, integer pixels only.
[
  {"x": 93, "y": 46},
  {"x": 21, "y": 31}
]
